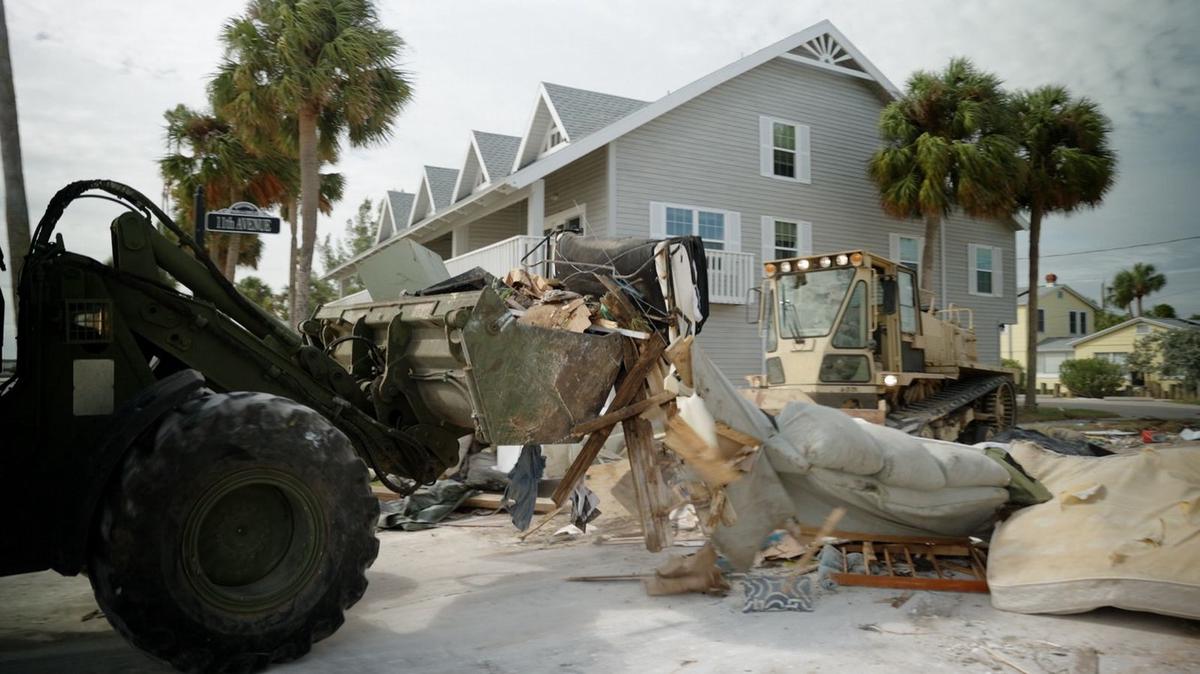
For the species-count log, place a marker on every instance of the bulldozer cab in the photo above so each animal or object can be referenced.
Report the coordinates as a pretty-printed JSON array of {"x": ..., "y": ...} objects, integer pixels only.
[{"x": 834, "y": 323}]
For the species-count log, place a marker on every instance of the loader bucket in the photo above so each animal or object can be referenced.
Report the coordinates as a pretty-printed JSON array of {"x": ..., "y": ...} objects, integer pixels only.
[{"x": 534, "y": 384}]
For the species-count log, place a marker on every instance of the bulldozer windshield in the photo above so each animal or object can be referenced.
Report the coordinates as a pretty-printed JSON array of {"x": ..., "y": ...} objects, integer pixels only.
[{"x": 809, "y": 301}]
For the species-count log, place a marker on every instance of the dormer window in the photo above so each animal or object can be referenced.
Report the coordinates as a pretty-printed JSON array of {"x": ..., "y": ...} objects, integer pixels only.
[{"x": 554, "y": 138}]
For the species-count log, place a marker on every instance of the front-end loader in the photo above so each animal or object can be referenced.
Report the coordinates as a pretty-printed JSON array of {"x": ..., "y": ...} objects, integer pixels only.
[
  {"x": 207, "y": 467},
  {"x": 849, "y": 330}
]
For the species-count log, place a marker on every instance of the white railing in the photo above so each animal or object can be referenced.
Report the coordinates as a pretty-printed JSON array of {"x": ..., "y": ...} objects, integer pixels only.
[
  {"x": 498, "y": 258},
  {"x": 730, "y": 276}
]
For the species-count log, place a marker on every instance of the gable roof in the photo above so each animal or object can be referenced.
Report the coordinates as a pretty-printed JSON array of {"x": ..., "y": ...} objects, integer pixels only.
[
  {"x": 1056, "y": 344},
  {"x": 1043, "y": 291},
  {"x": 1168, "y": 323},
  {"x": 393, "y": 214},
  {"x": 497, "y": 153},
  {"x": 584, "y": 112},
  {"x": 441, "y": 185}
]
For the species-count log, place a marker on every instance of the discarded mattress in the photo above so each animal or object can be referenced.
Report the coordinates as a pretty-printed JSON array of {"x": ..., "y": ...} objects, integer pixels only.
[
  {"x": 1122, "y": 531},
  {"x": 816, "y": 458}
]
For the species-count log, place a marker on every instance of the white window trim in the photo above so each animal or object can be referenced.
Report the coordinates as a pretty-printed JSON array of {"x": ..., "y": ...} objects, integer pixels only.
[
  {"x": 766, "y": 150},
  {"x": 803, "y": 236},
  {"x": 997, "y": 271},
  {"x": 894, "y": 249},
  {"x": 555, "y": 219},
  {"x": 733, "y": 223}
]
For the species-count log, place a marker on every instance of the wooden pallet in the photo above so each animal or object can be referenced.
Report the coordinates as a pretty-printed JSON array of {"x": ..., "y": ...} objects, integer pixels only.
[{"x": 944, "y": 556}]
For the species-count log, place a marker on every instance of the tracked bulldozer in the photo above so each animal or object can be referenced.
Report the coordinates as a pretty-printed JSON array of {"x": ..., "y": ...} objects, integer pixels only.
[{"x": 850, "y": 330}]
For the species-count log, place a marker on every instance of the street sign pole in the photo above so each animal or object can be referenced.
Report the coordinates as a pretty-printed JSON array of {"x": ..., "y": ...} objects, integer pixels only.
[{"x": 200, "y": 215}]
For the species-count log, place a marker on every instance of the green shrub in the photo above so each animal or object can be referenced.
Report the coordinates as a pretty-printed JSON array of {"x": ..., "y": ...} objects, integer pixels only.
[
  {"x": 1016, "y": 365},
  {"x": 1091, "y": 377}
]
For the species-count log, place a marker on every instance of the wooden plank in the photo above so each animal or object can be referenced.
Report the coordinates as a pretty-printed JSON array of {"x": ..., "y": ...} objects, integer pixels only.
[
  {"x": 648, "y": 483},
  {"x": 631, "y": 410},
  {"x": 744, "y": 439},
  {"x": 911, "y": 582},
  {"x": 680, "y": 355},
  {"x": 635, "y": 378},
  {"x": 493, "y": 501}
]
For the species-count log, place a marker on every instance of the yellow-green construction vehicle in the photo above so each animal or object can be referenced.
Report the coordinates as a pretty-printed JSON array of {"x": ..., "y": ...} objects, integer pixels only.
[{"x": 847, "y": 330}]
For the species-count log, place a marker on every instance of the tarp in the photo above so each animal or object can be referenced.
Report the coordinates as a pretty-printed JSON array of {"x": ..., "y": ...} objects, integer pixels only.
[{"x": 1122, "y": 530}]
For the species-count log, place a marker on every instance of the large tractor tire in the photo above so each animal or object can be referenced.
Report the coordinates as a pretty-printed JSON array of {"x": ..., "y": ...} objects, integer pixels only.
[{"x": 238, "y": 537}]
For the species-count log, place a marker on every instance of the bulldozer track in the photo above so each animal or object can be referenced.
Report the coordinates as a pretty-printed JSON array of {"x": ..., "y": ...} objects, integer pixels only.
[{"x": 953, "y": 396}]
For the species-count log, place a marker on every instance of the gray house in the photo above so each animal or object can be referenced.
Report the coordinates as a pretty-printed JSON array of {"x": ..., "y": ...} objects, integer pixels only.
[{"x": 764, "y": 158}]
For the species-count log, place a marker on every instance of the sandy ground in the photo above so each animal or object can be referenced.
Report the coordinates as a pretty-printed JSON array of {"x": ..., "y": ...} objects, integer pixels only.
[{"x": 463, "y": 598}]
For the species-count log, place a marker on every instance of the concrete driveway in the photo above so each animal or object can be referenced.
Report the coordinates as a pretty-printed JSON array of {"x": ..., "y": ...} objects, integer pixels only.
[
  {"x": 459, "y": 599},
  {"x": 1138, "y": 408}
]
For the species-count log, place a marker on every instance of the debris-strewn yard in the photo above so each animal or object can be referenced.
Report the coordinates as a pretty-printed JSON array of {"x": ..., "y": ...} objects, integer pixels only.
[{"x": 473, "y": 598}]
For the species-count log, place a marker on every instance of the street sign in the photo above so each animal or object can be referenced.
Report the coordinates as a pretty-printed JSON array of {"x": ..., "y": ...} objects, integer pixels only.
[{"x": 241, "y": 218}]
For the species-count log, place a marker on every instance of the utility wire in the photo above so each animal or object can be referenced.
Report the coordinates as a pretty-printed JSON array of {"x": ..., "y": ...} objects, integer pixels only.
[{"x": 1108, "y": 250}]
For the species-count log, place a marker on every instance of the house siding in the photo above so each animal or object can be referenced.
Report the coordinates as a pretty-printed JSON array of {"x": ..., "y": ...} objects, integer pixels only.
[
  {"x": 503, "y": 224},
  {"x": 1057, "y": 322},
  {"x": 706, "y": 153},
  {"x": 584, "y": 181}
]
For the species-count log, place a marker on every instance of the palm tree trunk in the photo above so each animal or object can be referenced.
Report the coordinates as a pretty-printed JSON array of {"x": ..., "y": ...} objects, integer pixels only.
[
  {"x": 232, "y": 251},
  {"x": 309, "y": 200},
  {"x": 1139, "y": 305},
  {"x": 292, "y": 207},
  {"x": 15, "y": 211},
  {"x": 933, "y": 229},
  {"x": 1031, "y": 309}
]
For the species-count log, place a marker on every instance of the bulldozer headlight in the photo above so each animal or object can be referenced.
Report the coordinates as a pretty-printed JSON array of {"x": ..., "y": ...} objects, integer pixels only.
[
  {"x": 826, "y": 263},
  {"x": 769, "y": 268},
  {"x": 890, "y": 380},
  {"x": 803, "y": 265},
  {"x": 785, "y": 267},
  {"x": 856, "y": 259},
  {"x": 843, "y": 260}
]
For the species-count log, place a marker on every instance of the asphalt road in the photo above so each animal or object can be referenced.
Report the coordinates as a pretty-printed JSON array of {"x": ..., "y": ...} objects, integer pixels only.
[{"x": 1125, "y": 407}]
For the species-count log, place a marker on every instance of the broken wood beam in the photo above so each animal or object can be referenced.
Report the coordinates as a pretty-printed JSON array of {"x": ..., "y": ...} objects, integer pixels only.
[
  {"x": 631, "y": 410},
  {"x": 648, "y": 483}
]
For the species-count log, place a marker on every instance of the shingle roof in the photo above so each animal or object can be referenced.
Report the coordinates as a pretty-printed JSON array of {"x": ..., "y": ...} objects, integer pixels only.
[
  {"x": 498, "y": 152},
  {"x": 441, "y": 185},
  {"x": 1056, "y": 344},
  {"x": 1178, "y": 322},
  {"x": 401, "y": 205},
  {"x": 583, "y": 112}
]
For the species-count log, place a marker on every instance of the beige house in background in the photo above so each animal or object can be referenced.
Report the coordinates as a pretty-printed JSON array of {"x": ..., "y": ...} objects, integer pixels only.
[
  {"x": 1114, "y": 344},
  {"x": 1064, "y": 315}
]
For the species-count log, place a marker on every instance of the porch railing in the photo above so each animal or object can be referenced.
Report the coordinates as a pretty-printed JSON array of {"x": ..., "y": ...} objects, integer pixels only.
[
  {"x": 497, "y": 258},
  {"x": 730, "y": 275}
]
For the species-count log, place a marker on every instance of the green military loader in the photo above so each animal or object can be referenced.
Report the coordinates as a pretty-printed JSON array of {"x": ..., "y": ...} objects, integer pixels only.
[{"x": 207, "y": 467}]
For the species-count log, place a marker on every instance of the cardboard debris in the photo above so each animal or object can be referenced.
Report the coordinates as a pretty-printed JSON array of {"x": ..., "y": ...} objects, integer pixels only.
[{"x": 574, "y": 315}]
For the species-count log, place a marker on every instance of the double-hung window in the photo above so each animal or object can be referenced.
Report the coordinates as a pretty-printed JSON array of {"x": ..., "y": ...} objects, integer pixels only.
[
  {"x": 720, "y": 230},
  {"x": 784, "y": 149},
  {"x": 784, "y": 238},
  {"x": 1077, "y": 322},
  {"x": 986, "y": 271}
]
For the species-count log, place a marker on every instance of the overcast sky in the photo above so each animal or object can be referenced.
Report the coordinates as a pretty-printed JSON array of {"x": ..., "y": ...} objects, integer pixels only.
[{"x": 93, "y": 79}]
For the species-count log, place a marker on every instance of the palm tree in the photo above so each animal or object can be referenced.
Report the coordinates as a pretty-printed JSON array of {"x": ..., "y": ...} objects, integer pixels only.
[
  {"x": 945, "y": 146},
  {"x": 204, "y": 150},
  {"x": 1129, "y": 286},
  {"x": 326, "y": 66},
  {"x": 1067, "y": 164}
]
